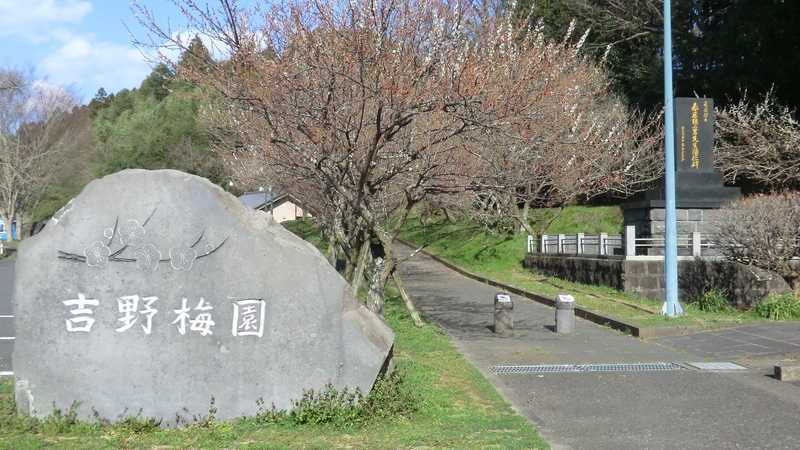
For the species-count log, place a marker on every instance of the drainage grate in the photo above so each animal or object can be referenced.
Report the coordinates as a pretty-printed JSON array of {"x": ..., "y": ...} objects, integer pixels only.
[{"x": 585, "y": 368}]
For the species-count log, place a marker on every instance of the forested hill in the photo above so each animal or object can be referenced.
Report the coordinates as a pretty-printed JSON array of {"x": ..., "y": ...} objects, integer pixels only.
[{"x": 155, "y": 126}]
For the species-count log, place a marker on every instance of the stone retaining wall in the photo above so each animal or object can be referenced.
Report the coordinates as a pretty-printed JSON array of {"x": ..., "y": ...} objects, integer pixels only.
[{"x": 745, "y": 285}]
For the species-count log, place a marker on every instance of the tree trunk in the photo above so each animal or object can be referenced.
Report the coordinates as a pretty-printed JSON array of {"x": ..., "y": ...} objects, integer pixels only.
[
  {"x": 375, "y": 299},
  {"x": 524, "y": 222},
  {"x": 447, "y": 216},
  {"x": 384, "y": 267},
  {"x": 522, "y": 219},
  {"x": 358, "y": 275},
  {"x": 412, "y": 310},
  {"x": 332, "y": 248}
]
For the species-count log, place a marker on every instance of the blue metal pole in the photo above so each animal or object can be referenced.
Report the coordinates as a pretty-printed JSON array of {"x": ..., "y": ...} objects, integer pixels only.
[{"x": 671, "y": 306}]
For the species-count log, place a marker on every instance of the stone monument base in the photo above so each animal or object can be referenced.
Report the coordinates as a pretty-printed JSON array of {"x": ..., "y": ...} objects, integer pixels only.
[
  {"x": 649, "y": 221},
  {"x": 699, "y": 199}
]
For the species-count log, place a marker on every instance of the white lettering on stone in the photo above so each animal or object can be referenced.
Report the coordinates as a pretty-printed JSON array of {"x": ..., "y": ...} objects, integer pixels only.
[
  {"x": 128, "y": 305},
  {"x": 248, "y": 317},
  {"x": 148, "y": 312},
  {"x": 202, "y": 322},
  {"x": 83, "y": 321}
]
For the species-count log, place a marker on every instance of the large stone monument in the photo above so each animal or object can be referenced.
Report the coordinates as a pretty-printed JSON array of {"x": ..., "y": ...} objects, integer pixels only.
[
  {"x": 699, "y": 187},
  {"x": 153, "y": 292}
]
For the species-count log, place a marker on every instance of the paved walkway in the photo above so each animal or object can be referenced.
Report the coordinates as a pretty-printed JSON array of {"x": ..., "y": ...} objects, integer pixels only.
[
  {"x": 682, "y": 409},
  {"x": 6, "y": 321}
]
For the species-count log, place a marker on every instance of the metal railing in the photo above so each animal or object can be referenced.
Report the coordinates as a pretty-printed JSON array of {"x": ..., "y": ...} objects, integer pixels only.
[{"x": 693, "y": 244}]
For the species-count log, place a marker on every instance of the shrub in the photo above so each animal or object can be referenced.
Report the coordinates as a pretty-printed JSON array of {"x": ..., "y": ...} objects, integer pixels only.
[
  {"x": 390, "y": 397},
  {"x": 761, "y": 231},
  {"x": 327, "y": 405},
  {"x": 139, "y": 425},
  {"x": 778, "y": 307},
  {"x": 714, "y": 301}
]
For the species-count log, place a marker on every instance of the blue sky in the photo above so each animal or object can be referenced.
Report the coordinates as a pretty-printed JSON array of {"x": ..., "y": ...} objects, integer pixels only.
[{"x": 80, "y": 44}]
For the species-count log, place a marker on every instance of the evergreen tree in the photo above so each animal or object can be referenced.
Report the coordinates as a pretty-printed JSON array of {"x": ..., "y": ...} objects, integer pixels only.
[
  {"x": 100, "y": 101},
  {"x": 721, "y": 47},
  {"x": 196, "y": 57},
  {"x": 157, "y": 84},
  {"x": 139, "y": 130}
]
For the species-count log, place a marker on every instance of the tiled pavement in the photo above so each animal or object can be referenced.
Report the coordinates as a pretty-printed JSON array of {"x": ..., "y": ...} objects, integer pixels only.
[{"x": 742, "y": 342}]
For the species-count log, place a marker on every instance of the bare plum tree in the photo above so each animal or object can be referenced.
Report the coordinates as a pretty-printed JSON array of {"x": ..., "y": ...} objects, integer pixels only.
[
  {"x": 365, "y": 108},
  {"x": 764, "y": 231},
  {"x": 33, "y": 128}
]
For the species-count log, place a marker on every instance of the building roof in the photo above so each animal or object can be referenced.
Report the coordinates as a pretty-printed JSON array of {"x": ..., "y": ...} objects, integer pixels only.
[{"x": 260, "y": 200}]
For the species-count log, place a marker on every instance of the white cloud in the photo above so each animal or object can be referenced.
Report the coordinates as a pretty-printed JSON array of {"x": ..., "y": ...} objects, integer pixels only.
[
  {"x": 88, "y": 64},
  {"x": 35, "y": 19}
]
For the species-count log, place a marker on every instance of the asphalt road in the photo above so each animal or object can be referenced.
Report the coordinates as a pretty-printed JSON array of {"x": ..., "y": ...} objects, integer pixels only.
[
  {"x": 6, "y": 318},
  {"x": 683, "y": 409}
]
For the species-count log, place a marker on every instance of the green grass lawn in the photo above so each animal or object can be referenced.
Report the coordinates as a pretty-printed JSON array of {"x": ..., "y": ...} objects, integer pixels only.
[
  {"x": 582, "y": 219},
  {"x": 455, "y": 407},
  {"x": 499, "y": 257}
]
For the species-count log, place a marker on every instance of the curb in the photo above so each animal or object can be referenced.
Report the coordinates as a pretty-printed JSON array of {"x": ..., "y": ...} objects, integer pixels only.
[{"x": 616, "y": 324}]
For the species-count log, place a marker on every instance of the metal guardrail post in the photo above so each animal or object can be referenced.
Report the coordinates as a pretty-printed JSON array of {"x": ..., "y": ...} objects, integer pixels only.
[
  {"x": 543, "y": 248},
  {"x": 603, "y": 244},
  {"x": 530, "y": 244},
  {"x": 560, "y": 244},
  {"x": 630, "y": 240},
  {"x": 696, "y": 244},
  {"x": 579, "y": 244}
]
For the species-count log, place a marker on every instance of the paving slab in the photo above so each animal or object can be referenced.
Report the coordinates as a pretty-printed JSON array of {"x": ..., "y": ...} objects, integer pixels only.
[
  {"x": 682, "y": 409},
  {"x": 774, "y": 338}
]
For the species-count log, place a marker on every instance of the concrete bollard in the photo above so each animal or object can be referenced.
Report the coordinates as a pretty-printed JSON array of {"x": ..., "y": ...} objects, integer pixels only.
[
  {"x": 565, "y": 314},
  {"x": 503, "y": 314}
]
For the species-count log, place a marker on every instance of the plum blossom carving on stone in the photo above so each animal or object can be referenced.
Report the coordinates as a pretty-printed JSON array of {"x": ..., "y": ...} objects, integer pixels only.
[
  {"x": 182, "y": 258},
  {"x": 132, "y": 238},
  {"x": 131, "y": 233},
  {"x": 97, "y": 254},
  {"x": 147, "y": 257}
]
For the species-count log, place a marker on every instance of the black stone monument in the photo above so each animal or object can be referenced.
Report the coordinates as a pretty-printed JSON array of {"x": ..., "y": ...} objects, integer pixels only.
[{"x": 699, "y": 187}]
